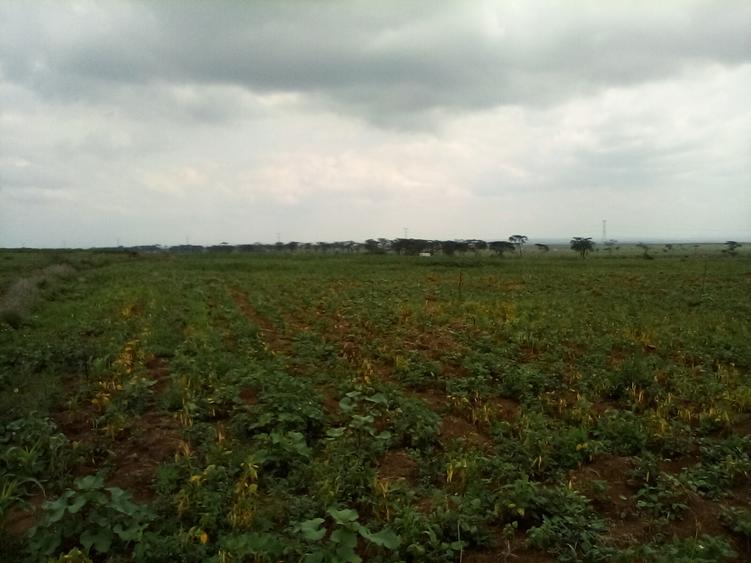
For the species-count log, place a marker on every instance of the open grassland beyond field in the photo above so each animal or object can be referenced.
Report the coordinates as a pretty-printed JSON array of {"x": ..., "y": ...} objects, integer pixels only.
[{"x": 279, "y": 408}]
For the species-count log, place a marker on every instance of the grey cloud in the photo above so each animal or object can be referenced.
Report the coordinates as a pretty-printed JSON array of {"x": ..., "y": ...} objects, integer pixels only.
[
  {"x": 235, "y": 121},
  {"x": 383, "y": 61}
]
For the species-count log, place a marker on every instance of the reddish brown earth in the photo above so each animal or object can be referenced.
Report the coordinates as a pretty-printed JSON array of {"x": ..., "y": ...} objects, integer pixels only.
[
  {"x": 155, "y": 438},
  {"x": 248, "y": 396},
  {"x": 148, "y": 440},
  {"x": 397, "y": 465},
  {"x": 159, "y": 372},
  {"x": 617, "y": 504},
  {"x": 505, "y": 408},
  {"x": 21, "y": 519},
  {"x": 454, "y": 427}
]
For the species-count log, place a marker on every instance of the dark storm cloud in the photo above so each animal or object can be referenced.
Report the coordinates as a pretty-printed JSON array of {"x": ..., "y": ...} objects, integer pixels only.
[{"x": 382, "y": 61}]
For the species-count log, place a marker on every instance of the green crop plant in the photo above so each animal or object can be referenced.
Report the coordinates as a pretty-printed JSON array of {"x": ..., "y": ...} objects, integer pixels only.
[
  {"x": 91, "y": 516},
  {"x": 623, "y": 432},
  {"x": 738, "y": 520},
  {"x": 75, "y": 555},
  {"x": 13, "y": 493},
  {"x": 663, "y": 497},
  {"x": 34, "y": 447},
  {"x": 339, "y": 545},
  {"x": 724, "y": 463},
  {"x": 700, "y": 549},
  {"x": 240, "y": 393}
]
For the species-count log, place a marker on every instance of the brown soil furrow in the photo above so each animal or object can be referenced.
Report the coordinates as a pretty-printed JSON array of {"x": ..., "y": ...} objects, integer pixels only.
[{"x": 276, "y": 342}]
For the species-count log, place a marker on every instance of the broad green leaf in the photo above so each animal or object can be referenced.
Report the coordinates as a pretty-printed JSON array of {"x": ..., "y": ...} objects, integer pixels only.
[
  {"x": 78, "y": 503},
  {"x": 132, "y": 533},
  {"x": 343, "y": 516},
  {"x": 312, "y": 530},
  {"x": 335, "y": 432},
  {"x": 55, "y": 510},
  {"x": 45, "y": 542},
  {"x": 378, "y": 398},
  {"x": 90, "y": 482},
  {"x": 385, "y": 538},
  {"x": 346, "y": 554},
  {"x": 121, "y": 501},
  {"x": 101, "y": 540},
  {"x": 345, "y": 537}
]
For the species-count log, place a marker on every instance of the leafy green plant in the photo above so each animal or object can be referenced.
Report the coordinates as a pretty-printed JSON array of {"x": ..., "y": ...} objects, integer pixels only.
[
  {"x": 664, "y": 497},
  {"x": 75, "y": 555},
  {"x": 33, "y": 447},
  {"x": 91, "y": 515},
  {"x": 702, "y": 549},
  {"x": 737, "y": 520},
  {"x": 285, "y": 404},
  {"x": 13, "y": 494},
  {"x": 622, "y": 431},
  {"x": 560, "y": 520},
  {"x": 417, "y": 372},
  {"x": 570, "y": 533},
  {"x": 252, "y": 546},
  {"x": 414, "y": 423},
  {"x": 339, "y": 546},
  {"x": 723, "y": 464}
]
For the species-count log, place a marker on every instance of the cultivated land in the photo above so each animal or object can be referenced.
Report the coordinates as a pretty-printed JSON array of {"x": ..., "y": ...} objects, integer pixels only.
[{"x": 325, "y": 408}]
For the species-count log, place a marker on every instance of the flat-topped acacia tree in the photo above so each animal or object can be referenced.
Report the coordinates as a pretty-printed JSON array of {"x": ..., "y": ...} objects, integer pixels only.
[
  {"x": 519, "y": 241},
  {"x": 582, "y": 245},
  {"x": 732, "y": 247}
]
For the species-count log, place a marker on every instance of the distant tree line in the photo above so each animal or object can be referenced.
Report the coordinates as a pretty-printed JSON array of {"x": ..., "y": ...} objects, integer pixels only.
[{"x": 401, "y": 246}]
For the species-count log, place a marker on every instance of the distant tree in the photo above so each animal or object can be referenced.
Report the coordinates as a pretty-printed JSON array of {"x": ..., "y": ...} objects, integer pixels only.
[
  {"x": 410, "y": 246},
  {"x": 582, "y": 245},
  {"x": 610, "y": 244},
  {"x": 223, "y": 247},
  {"x": 478, "y": 245},
  {"x": 732, "y": 247},
  {"x": 501, "y": 246},
  {"x": 542, "y": 247},
  {"x": 448, "y": 247},
  {"x": 518, "y": 241},
  {"x": 189, "y": 248},
  {"x": 645, "y": 248},
  {"x": 462, "y": 246},
  {"x": 385, "y": 243},
  {"x": 373, "y": 246}
]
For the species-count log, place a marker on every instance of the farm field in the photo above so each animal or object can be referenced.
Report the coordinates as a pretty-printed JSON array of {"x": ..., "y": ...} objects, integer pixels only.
[{"x": 239, "y": 408}]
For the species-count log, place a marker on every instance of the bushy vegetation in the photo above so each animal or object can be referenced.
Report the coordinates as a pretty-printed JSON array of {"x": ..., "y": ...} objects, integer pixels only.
[{"x": 228, "y": 407}]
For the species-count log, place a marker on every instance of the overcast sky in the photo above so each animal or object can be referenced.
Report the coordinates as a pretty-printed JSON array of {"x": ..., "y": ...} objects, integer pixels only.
[{"x": 161, "y": 122}]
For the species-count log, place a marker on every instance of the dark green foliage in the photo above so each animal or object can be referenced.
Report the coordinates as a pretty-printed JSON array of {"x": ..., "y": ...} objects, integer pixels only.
[
  {"x": 91, "y": 516},
  {"x": 703, "y": 549},
  {"x": 582, "y": 245},
  {"x": 623, "y": 432},
  {"x": 337, "y": 542}
]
